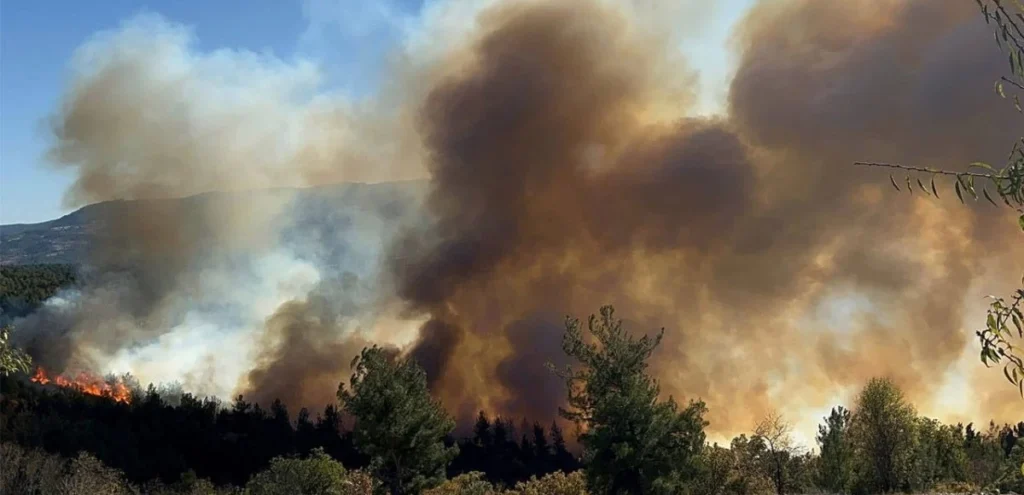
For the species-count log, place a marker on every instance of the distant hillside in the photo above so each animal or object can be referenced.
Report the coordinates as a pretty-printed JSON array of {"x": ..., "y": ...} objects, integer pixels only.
[{"x": 67, "y": 240}]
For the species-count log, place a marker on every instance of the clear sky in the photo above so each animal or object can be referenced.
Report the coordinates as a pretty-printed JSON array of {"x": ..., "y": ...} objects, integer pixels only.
[{"x": 348, "y": 39}]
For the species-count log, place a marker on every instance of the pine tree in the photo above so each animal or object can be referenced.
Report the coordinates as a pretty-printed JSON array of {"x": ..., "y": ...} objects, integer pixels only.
[
  {"x": 398, "y": 425},
  {"x": 632, "y": 442},
  {"x": 835, "y": 467},
  {"x": 482, "y": 431}
]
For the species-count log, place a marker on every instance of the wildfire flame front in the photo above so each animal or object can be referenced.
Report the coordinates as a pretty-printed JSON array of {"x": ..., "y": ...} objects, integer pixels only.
[{"x": 87, "y": 383}]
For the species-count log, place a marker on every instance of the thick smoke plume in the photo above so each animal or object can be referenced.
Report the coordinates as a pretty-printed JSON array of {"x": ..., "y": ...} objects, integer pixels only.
[
  {"x": 557, "y": 186},
  {"x": 564, "y": 173}
]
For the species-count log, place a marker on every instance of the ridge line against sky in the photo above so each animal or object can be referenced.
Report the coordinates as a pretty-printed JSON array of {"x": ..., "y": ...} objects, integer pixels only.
[{"x": 348, "y": 41}]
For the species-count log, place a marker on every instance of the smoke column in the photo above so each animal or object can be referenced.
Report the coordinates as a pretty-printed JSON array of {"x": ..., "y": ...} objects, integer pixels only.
[{"x": 565, "y": 171}]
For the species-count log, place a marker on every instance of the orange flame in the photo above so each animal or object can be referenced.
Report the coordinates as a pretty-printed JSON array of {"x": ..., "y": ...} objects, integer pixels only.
[{"x": 87, "y": 383}]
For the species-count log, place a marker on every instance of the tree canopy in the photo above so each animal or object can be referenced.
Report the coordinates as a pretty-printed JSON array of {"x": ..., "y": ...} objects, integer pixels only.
[
  {"x": 632, "y": 442},
  {"x": 399, "y": 426}
]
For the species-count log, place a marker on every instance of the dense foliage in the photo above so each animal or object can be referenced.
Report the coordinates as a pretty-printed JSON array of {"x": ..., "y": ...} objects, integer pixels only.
[
  {"x": 398, "y": 424},
  {"x": 24, "y": 287},
  {"x": 164, "y": 432},
  {"x": 12, "y": 359},
  {"x": 632, "y": 442}
]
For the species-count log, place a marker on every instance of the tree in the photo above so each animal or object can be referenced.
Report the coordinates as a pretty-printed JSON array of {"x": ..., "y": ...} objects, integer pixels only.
[
  {"x": 986, "y": 460},
  {"x": 882, "y": 432},
  {"x": 562, "y": 459},
  {"x": 939, "y": 455},
  {"x": 87, "y": 475},
  {"x": 12, "y": 359},
  {"x": 632, "y": 443},
  {"x": 776, "y": 461},
  {"x": 482, "y": 431},
  {"x": 318, "y": 474},
  {"x": 747, "y": 476},
  {"x": 1008, "y": 183},
  {"x": 399, "y": 426},
  {"x": 836, "y": 458},
  {"x": 716, "y": 468}
]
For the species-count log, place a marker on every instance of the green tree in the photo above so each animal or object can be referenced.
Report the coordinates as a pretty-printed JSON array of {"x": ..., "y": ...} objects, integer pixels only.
[
  {"x": 835, "y": 467},
  {"x": 632, "y": 442},
  {"x": 716, "y": 468},
  {"x": 317, "y": 474},
  {"x": 12, "y": 359},
  {"x": 1014, "y": 480},
  {"x": 882, "y": 434},
  {"x": 939, "y": 457},
  {"x": 399, "y": 426},
  {"x": 747, "y": 476},
  {"x": 986, "y": 460}
]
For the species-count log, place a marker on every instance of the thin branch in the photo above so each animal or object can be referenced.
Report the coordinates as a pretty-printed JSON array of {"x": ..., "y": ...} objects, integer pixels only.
[
  {"x": 928, "y": 170},
  {"x": 1011, "y": 81}
]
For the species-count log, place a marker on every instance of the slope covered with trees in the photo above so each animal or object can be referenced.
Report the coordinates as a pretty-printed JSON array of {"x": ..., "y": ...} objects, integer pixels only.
[
  {"x": 387, "y": 432},
  {"x": 24, "y": 287}
]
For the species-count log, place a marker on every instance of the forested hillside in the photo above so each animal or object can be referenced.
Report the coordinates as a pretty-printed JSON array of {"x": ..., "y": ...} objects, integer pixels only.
[{"x": 24, "y": 287}]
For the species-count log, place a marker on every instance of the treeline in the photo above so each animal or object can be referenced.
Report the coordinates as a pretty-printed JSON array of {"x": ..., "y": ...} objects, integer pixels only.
[
  {"x": 387, "y": 431},
  {"x": 23, "y": 288},
  {"x": 163, "y": 433}
]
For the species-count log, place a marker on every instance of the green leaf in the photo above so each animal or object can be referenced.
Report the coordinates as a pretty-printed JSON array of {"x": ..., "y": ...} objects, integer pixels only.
[
  {"x": 957, "y": 187},
  {"x": 936, "y": 191},
  {"x": 1020, "y": 221},
  {"x": 910, "y": 188},
  {"x": 891, "y": 179},
  {"x": 989, "y": 198}
]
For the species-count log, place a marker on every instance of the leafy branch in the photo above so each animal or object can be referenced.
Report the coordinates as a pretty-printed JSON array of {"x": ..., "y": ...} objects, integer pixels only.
[{"x": 12, "y": 359}]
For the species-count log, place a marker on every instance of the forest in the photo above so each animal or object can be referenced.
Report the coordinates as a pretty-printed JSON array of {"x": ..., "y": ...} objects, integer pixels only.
[
  {"x": 24, "y": 287},
  {"x": 385, "y": 434}
]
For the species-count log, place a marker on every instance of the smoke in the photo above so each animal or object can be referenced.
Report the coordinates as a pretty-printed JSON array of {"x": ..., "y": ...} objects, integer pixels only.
[
  {"x": 566, "y": 171},
  {"x": 559, "y": 184},
  {"x": 235, "y": 285}
]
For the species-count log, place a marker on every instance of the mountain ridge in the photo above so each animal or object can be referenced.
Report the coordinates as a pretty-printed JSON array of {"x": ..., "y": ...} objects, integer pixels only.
[{"x": 67, "y": 239}]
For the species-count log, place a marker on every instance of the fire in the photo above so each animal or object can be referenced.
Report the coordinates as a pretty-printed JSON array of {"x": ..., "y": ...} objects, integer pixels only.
[{"x": 87, "y": 383}]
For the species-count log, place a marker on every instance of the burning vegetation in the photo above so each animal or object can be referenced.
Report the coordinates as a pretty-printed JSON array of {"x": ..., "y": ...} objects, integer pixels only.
[{"x": 87, "y": 383}]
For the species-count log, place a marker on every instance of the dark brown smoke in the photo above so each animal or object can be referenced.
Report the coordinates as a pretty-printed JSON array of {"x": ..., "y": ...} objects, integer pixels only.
[{"x": 556, "y": 190}]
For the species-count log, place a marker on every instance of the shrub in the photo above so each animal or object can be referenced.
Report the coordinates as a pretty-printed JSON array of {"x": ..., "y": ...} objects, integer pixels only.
[
  {"x": 317, "y": 474},
  {"x": 557, "y": 483},
  {"x": 464, "y": 484}
]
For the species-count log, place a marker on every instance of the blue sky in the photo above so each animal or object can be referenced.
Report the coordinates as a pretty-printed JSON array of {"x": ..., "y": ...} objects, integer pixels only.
[{"x": 347, "y": 38}]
